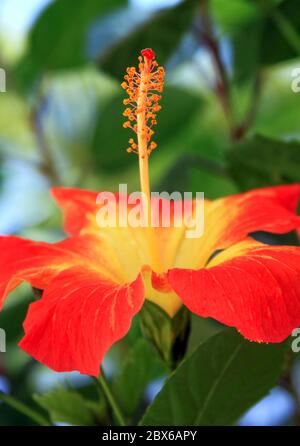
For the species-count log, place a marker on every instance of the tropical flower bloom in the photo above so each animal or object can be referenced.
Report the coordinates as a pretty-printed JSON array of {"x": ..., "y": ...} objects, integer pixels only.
[{"x": 96, "y": 280}]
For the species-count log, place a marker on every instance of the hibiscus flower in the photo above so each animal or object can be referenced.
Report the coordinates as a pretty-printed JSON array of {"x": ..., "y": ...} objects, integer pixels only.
[{"x": 95, "y": 281}]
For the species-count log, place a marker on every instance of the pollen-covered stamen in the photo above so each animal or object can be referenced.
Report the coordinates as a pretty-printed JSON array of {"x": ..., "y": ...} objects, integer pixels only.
[{"x": 143, "y": 88}]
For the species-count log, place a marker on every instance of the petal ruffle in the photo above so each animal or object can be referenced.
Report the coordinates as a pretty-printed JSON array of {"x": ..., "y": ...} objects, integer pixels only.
[
  {"x": 231, "y": 219},
  {"x": 250, "y": 286},
  {"x": 80, "y": 316},
  {"x": 87, "y": 302},
  {"x": 79, "y": 209},
  {"x": 38, "y": 262},
  {"x": 35, "y": 262}
]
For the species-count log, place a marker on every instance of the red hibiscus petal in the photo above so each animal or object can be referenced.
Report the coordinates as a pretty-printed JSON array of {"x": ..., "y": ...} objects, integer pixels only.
[
  {"x": 229, "y": 220},
  {"x": 286, "y": 195},
  {"x": 36, "y": 262},
  {"x": 79, "y": 317},
  {"x": 270, "y": 209},
  {"x": 87, "y": 302},
  {"x": 79, "y": 208},
  {"x": 251, "y": 286}
]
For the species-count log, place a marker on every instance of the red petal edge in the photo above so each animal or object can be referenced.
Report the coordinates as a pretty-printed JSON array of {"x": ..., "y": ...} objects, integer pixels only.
[
  {"x": 258, "y": 293},
  {"x": 79, "y": 317}
]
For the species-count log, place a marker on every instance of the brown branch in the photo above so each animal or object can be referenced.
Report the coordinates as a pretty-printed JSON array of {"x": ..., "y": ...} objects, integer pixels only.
[
  {"x": 47, "y": 165},
  {"x": 242, "y": 129},
  {"x": 206, "y": 36}
]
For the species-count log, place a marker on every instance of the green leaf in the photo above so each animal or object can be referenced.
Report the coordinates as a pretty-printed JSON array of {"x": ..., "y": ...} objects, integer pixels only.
[
  {"x": 162, "y": 32},
  {"x": 278, "y": 112},
  {"x": 223, "y": 378},
  {"x": 58, "y": 39},
  {"x": 179, "y": 106},
  {"x": 273, "y": 27},
  {"x": 233, "y": 15},
  {"x": 202, "y": 328},
  {"x": 247, "y": 52},
  {"x": 280, "y": 38},
  {"x": 261, "y": 161},
  {"x": 238, "y": 19},
  {"x": 67, "y": 406},
  {"x": 110, "y": 139},
  {"x": 194, "y": 173},
  {"x": 195, "y": 156},
  {"x": 140, "y": 368}
]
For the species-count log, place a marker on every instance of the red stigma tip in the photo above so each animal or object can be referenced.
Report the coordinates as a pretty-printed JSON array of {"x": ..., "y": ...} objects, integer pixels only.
[{"x": 148, "y": 53}]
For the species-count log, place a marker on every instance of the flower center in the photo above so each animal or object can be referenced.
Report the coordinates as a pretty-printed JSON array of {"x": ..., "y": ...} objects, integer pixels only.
[{"x": 143, "y": 87}]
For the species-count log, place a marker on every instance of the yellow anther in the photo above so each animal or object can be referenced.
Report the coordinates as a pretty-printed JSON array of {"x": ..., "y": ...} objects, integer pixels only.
[{"x": 142, "y": 101}]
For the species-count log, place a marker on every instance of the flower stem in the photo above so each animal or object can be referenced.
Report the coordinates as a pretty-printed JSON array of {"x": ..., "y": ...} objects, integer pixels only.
[
  {"x": 25, "y": 410},
  {"x": 103, "y": 385}
]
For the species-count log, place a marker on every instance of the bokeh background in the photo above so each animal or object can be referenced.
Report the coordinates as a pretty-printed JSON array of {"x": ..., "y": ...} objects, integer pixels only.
[{"x": 230, "y": 122}]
